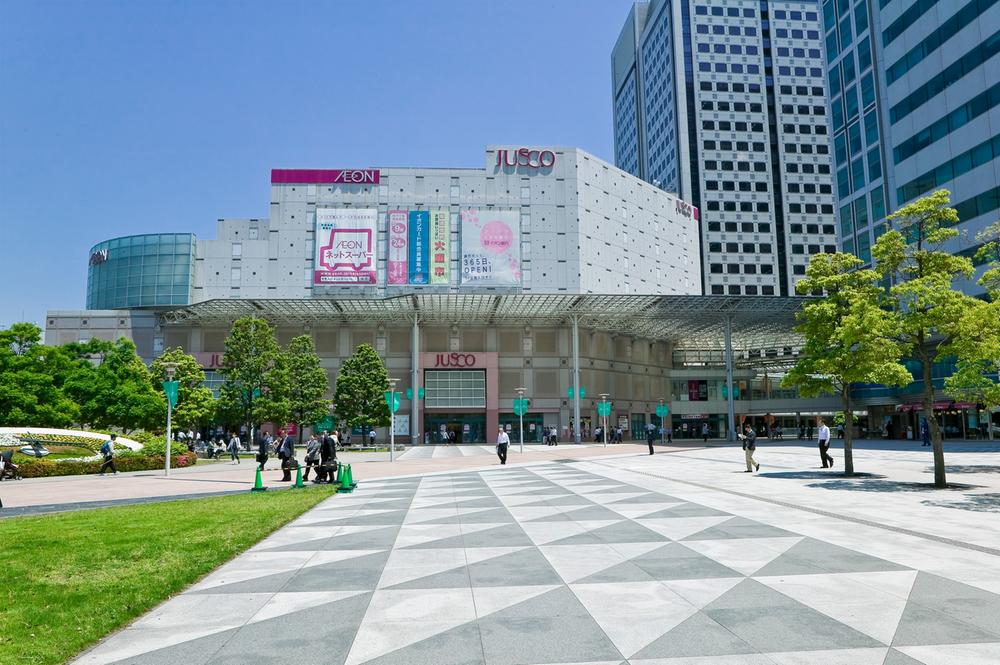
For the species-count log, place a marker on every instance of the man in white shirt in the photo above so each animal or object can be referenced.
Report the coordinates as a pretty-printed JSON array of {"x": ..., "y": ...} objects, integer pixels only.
[
  {"x": 502, "y": 442},
  {"x": 824, "y": 444}
]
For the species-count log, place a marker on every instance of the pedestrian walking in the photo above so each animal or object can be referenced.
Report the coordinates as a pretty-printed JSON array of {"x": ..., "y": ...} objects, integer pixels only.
[
  {"x": 809, "y": 431},
  {"x": 749, "y": 438},
  {"x": 108, "y": 450},
  {"x": 925, "y": 432},
  {"x": 234, "y": 448},
  {"x": 704, "y": 432},
  {"x": 371, "y": 437},
  {"x": 802, "y": 432},
  {"x": 670, "y": 434},
  {"x": 263, "y": 449},
  {"x": 824, "y": 444},
  {"x": 840, "y": 430},
  {"x": 650, "y": 437},
  {"x": 286, "y": 453},
  {"x": 502, "y": 442},
  {"x": 312, "y": 456},
  {"x": 327, "y": 457}
]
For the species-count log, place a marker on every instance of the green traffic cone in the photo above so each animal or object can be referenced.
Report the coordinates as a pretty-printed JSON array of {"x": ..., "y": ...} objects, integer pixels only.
[
  {"x": 340, "y": 476},
  {"x": 258, "y": 485},
  {"x": 345, "y": 480},
  {"x": 350, "y": 477},
  {"x": 298, "y": 477}
]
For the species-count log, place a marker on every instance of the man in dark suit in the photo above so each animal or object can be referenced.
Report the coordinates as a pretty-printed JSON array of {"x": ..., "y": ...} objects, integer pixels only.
[
  {"x": 263, "y": 449},
  {"x": 650, "y": 436},
  {"x": 286, "y": 453}
]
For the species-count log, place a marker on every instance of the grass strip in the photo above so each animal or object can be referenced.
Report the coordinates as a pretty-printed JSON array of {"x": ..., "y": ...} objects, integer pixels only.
[{"x": 69, "y": 579}]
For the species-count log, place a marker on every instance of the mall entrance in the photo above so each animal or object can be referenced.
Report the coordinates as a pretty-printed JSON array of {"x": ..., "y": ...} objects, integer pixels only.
[
  {"x": 534, "y": 427},
  {"x": 455, "y": 427}
]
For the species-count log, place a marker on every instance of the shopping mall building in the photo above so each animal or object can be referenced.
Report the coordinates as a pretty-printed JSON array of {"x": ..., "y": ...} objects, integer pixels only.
[{"x": 547, "y": 269}]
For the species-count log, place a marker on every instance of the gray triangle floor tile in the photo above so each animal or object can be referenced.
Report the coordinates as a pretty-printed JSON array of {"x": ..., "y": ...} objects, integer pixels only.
[
  {"x": 552, "y": 628},
  {"x": 458, "y": 646},
  {"x": 811, "y": 556},
  {"x": 558, "y": 517},
  {"x": 922, "y": 626},
  {"x": 740, "y": 527},
  {"x": 359, "y": 573},
  {"x": 478, "y": 503},
  {"x": 967, "y": 603},
  {"x": 376, "y": 539},
  {"x": 509, "y": 535},
  {"x": 498, "y": 516},
  {"x": 894, "y": 657},
  {"x": 676, "y": 562},
  {"x": 595, "y": 514},
  {"x": 575, "y": 500},
  {"x": 450, "y": 542},
  {"x": 651, "y": 497},
  {"x": 770, "y": 621},
  {"x": 195, "y": 652},
  {"x": 455, "y": 578},
  {"x": 623, "y": 572},
  {"x": 265, "y": 584},
  {"x": 395, "y": 517},
  {"x": 628, "y": 532},
  {"x": 687, "y": 510},
  {"x": 579, "y": 539},
  {"x": 697, "y": 636},
  {"x": 318, "y": 635},
  {"x": 526, "y": 567}
]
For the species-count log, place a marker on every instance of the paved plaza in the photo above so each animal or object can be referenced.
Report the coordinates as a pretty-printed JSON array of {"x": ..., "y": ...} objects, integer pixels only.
[{"x": 678, "y": 559}]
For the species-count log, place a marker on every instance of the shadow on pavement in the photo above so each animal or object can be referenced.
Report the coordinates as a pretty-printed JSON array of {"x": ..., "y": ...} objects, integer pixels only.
[
  {"x": 980, "y": 503},
  {"x": 877, "y": 484},
  {"x": 967, "y": 468},
  {"x": 816, "y": 475}
]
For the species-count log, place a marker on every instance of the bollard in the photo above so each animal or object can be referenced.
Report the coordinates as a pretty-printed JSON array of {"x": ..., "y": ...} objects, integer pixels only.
[{"x": 258, "y": 485}]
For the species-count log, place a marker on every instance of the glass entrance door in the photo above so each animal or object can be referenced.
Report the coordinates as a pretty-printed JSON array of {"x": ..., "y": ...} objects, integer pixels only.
[{"x": 455, "y": 427}]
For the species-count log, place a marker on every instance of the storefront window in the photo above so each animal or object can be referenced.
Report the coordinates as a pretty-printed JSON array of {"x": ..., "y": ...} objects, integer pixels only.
[{"x": 463, "y": 388}]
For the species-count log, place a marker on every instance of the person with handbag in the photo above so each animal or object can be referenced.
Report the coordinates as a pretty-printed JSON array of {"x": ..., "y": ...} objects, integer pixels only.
[
  {"x": 749, "y": 446},
  {"x": 263, "y": 449},
  {"x": 286, "y": 453},
  {"x": 312, "y": 456}
]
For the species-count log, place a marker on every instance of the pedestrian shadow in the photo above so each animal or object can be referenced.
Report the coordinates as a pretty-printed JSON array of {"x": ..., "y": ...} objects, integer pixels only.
[
  {"x": 980, "y": 503},
  {"x": 968, "y": 468},
  {"x": 815, "y": 475}
]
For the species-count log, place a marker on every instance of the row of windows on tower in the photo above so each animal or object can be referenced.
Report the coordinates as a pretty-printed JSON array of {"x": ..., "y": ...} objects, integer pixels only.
[
  {"x": 803, "y": 109},
  {"x": 804, "y": 129},
  {"x": 728, "y": 126},
  {"x": 735, "y": 49},
  {"x": 724, "y": 86},
  {"x": 734, "y": 248},
  {"x": 745, "y": 227},
  {"x": 739, "y": 107},
  {"x": 735, "y": 290},
  {"x": 802, "y": 90},
  {"x": 813, "y": 249},
  {"x": 784, "y": 51},
  {"x": 726, "y": 165},
  {"x": 731, "y": 30},
  {"x": 741, "y": 146},
  {"x": 742, "y": 206}
]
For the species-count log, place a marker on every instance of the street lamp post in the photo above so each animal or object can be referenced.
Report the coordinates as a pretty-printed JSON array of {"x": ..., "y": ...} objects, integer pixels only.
[
  {"x": 604, "y": 411},
  {"x": 520, "y": 415},
  {"x": 170, "y": 390},
  {"x": 659, "y": 411},
  {"x": 392, "y": 419}
]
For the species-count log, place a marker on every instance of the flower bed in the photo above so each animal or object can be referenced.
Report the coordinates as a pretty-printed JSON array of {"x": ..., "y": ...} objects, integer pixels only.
[{"x": 126, "y": 462}]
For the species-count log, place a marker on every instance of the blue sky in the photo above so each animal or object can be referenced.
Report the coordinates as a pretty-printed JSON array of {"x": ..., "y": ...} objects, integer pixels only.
[{"x": 154, "y": 116}]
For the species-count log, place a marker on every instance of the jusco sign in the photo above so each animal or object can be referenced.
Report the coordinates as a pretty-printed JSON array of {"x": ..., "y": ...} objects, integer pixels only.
[{"x": 526, "y": 157}]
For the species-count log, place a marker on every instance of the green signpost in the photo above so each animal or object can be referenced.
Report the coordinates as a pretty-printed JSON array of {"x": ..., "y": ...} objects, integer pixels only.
[
  {"x": 409, "y": 393},
  {"x": 392, "y": 400},
  {"x": 604, "y": 408},
  {"x": 662, "y": 410},
  {"x": 170, "y": 389},
  {"x": 583, "y": 392}
]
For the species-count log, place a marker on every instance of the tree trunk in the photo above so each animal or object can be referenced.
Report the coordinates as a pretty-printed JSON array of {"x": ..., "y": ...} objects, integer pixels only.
[
  {"x": 299, "y": 427},
  {"x": 848, "y": 433},
  {"x": 928, "y": 401}
]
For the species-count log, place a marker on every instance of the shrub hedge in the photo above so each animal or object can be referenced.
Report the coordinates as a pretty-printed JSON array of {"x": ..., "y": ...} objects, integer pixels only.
[{"x": 126, "y": 462}]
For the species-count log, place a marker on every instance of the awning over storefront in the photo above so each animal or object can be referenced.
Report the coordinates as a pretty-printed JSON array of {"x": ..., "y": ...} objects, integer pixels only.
[
  {"x": 938, "y": 406},
  {"x": 692, "y": 322}
]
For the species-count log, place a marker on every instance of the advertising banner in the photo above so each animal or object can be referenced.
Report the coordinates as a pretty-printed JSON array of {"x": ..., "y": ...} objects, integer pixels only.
[
  {"x": 440, "y": 246},
  {"x": 491, "y": 248},
  {"x": 420, "y": 223},
  {"x": 397, "y": 266},
  {"x": 345, "y": 246}
]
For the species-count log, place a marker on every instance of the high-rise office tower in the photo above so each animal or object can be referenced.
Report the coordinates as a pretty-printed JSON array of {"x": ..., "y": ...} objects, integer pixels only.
[
  {"x": 725, "y": 102},
  {"x": 915, "y": 107}
]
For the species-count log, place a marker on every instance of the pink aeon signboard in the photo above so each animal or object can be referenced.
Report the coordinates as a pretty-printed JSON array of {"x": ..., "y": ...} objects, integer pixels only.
[{"x": 324, "y": 176}]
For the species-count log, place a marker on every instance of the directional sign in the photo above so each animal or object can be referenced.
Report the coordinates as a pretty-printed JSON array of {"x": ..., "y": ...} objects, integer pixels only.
[
  {"x": 391, "y": 400},
  {"x": 604, "y": 408},
  {"x": 409, "y": 393},
  {"x": 725, "y": 392},
  {"x": 170, "y": 389},
  {"x": 521, "y": 406},
  {"x": 583, "y": 392},
  {"x": 662, "y": 410}
]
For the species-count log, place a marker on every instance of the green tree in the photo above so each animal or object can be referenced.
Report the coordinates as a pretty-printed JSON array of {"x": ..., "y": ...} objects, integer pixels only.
[
  {"x": 361, "y": 386},
  {"x": 848, "y": 337},
  {"x": 119, "y": 392},
  {"x": 195, "y": 403},
  {"x": 255, "y": 386},
  {"x": 307, "y": 383},
  {"x": 922, "y": 273},
  {"x": 31, "y": 378},
  {"x": 976, "y": 347}
]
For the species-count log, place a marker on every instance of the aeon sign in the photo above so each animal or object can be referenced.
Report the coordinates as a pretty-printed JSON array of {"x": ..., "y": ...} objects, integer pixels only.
[
  {"x": 100, "y": 256},
  {"x": 526, "y": 157},
  {"x": 455, "y": 360}
]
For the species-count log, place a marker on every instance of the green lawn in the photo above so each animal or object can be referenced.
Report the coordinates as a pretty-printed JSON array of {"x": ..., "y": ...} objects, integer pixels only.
[{"x": 69, "y": 579}]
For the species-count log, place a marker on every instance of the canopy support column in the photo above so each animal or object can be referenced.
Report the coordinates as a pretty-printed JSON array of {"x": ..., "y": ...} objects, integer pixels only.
[
  {"x": 576, "y": 379},
  {"x": 729, "y": 380}
]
